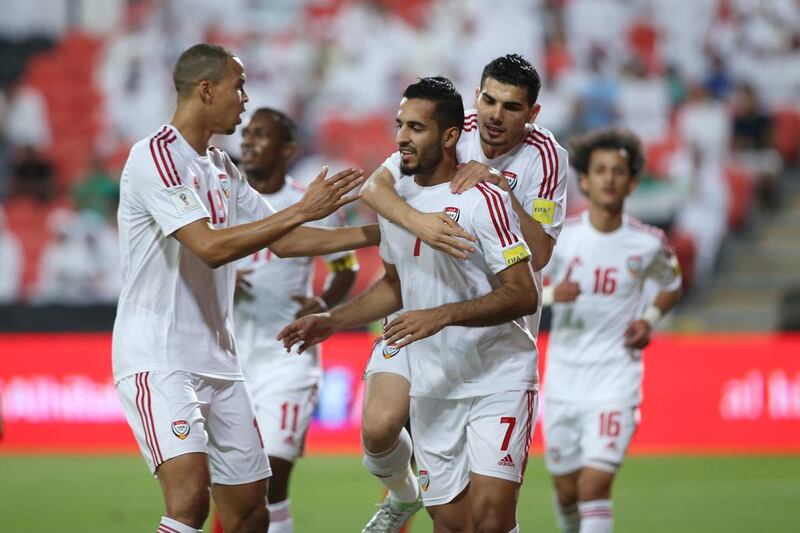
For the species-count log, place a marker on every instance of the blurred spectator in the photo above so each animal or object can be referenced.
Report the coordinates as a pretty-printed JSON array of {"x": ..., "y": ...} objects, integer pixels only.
[
  {"x": 718, "y": 81},
  {"x": 25, "y": 118},
  {"x": 97, "y": 192},
  {"x": 703, "y": 122},
  {"x": 33, "y": 174},
  {"x": 75, "y": 267},
  {"x": 11, "y": 263},
  {"x": 598, "y": 93},
  {"x": 752, "y": 143},
  {"x": 644, "y": 103}
]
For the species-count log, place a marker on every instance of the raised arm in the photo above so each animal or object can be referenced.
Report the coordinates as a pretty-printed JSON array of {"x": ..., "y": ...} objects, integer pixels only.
[
  {"x": 307, "y": 241},
  {"x": 515, "y": 297},
  {"x": 436, "y": 229},
  {"x": 216, "y": 247}
]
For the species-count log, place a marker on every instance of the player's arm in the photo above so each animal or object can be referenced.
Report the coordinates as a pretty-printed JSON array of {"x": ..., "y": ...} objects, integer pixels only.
[
  {"x": 437, "y": 230},
  {"x": 216, "y": 247},
  {"x": 341, "y": 278},
  {"x": 309, "y": 241},
  {"x": 380, "y": 300}
]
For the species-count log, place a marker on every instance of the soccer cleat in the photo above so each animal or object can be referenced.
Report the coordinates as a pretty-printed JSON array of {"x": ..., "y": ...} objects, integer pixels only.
[{"x": 391, "y": 516}]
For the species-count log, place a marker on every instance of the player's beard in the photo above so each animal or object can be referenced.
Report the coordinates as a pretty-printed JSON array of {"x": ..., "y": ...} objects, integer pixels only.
[{"x": 427, "y": 159}]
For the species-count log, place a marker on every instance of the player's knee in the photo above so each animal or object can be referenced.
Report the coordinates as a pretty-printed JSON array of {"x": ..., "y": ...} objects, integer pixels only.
[
  {"x": 492, "y": 521},
  {"x": 190, "y": 506},
  {"x": 380, "y": 430},
  {"x": 566, "y": 493},
  {"x": 594, "y": 487}
]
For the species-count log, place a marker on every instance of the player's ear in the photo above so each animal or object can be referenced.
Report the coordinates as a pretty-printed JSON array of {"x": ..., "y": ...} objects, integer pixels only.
[
  {"x": 477, "y": 95},
  {"x": 451, "y": 137},
  {"x": 633, "y": 182},
  {"x": 288, "y": 150},
  {"x": 583, "y": 183},
  {"x": 537, "y": 107},
  {"x": 206, "y": 91}
]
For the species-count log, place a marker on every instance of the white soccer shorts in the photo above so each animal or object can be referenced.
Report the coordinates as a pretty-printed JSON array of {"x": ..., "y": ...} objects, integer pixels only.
[
  {"x": 175, "y": 413},
  {"x": 486, "y": 435},
  {"x": 595, "y": 436},
  {"x": 388, "y": 359},
  {"x": 284, "y": 417}
]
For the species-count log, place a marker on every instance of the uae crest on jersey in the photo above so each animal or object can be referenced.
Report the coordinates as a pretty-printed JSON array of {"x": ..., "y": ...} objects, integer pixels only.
[
  {"x": 424, "y": 480},
  {"x": 511, "y": 178},
  {"x": 223, "y": 182},
  {"x": 635, "y": 264},
  {"x": 390, "y": 350},
  {"x": 453, "y": 212},
  {"x": 181, "y": 429}
]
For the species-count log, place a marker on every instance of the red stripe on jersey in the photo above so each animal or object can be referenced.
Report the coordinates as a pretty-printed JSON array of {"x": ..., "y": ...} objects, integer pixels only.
[
  {"x": 545, "y": 173},
  {"x": 502, "y": 212},
  {"x": 491, "y": 201},
  {"x": 551, "y": 149},
  {"x": 169, "y": 154},
  {"x": 471, "y": 115},
  {"x": 155, "y": 160},
  {"x": 161, "y": 144},
  {"x": 146, "y": 381},
  {"x": 143, "y": 416},
  {"x": 528, "y": 430},
  {"x": 162, "y": 528},
  {"x": 213, "y": 209},
  {"x": 491, "y": 213}
]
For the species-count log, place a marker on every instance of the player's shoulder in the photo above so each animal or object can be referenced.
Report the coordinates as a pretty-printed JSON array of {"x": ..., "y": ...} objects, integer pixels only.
[
  {"x": 485, "y": 196},
  {"x": 644, "y": 232},
  {"x": 151, "y": 147},
  {"x": 540, "y": 139}
]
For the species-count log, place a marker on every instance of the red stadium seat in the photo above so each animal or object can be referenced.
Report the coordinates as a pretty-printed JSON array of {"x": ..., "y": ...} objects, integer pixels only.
[{"x": 786, "y": 133}]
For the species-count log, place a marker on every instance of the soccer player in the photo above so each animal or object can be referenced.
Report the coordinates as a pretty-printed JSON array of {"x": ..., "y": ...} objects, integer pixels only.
[
  {"x": 600, "y": 325},
  {"x": 472, "y": 360},
  {"x": 272, "y": 293},
  {"x": 526, "y": 161},
  {"x": 185, "y": 215}
]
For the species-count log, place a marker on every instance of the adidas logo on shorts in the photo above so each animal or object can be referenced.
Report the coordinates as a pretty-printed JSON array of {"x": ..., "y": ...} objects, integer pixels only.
[{"x": 506, "y": 461}]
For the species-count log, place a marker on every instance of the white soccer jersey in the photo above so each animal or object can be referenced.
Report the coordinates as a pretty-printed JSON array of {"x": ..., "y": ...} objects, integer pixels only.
[
  {"x": 268, "y": 307},
  {"x": 462, "y": 362},
  {"x": 536, "y": 171},
  {"x": 587, "y": 359},
  {"x": 174, "y": 312}
]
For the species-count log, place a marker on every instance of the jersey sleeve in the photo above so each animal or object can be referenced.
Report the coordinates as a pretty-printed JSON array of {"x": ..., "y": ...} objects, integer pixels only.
[
  {"x": 496, "y": 228},
  {"x": 547, "y": 202},
  {"x": 392, "y": 164},
  {"x": 384, "y": 248},
  {"x": 664, "y": 268},
  {"x": 157, "y": 188}
]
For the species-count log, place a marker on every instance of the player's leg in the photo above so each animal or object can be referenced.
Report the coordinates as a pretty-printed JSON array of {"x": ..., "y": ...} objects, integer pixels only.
[
  {"x": 166, "y": 414},
  {"x": 498, "y": 439},
  {"x": 284, "y": 417},
  {"x": 561, "y": 432},
  {"x": 385, "y": 441},
  {"x": 239, "y": 465},
  {"x": 606, "y": 435},
  {"x": 440, "y": 447}
]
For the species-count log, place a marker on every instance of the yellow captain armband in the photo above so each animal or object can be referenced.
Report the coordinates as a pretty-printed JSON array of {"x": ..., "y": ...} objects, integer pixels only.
[
  {"x": 544, "y": 211},
  {"x": 348, "y": 262}
]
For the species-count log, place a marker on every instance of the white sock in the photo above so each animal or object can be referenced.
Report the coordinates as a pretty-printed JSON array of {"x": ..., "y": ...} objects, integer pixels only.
[
  {"x": 568, "y": 519},
  {"x": 280, "y": 518},
  {"x": 168, "y": 525},
  {"x": 595, "y": 516},
  {"x": 393, "y": 469}
]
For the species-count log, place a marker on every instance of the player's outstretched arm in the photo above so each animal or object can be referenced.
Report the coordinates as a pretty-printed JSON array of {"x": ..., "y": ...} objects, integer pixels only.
[
  {"x": 639, "y": 332},
  {"x": 216, "y": 247},
  {"x": 437, "y": 230},
  {"x": 381, "y": 299},
  {"x": 515, "y": 297},
  {"x": 309, "y": 241}
]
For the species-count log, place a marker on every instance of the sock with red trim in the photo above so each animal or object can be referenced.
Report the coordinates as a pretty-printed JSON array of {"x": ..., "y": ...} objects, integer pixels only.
[
  {"x": 280, "y": 518},
  {"x": 595, "y": 516},
  {"x": 168, "y": 525},
  {"x": 393, "y": 469},
  {"x": 567, "y": 518}
]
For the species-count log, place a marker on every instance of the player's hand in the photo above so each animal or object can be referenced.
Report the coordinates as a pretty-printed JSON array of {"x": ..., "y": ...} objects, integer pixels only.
[
  {"x": 566, "y": 291},
  {"x": 309, "y": 306},
  {"x": 326, "y": 195},
  {"x": 243, "y": 285},
  {"x": 308, "y": 331},
  {"x": 413, "y": 326},
  {"x": 638, "y": 334},
  {"x": 472, "y": 173},
  {"x": 440, "y": 232}
]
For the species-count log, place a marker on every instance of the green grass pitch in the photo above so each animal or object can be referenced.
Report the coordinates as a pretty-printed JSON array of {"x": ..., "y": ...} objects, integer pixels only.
[{"x": 335, "y": 494}]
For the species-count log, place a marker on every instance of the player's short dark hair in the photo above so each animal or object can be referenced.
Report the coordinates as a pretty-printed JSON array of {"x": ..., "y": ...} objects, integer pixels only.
[
  {"x": 513, "y": 69},
  {"x": 449, "y": 110},
  {"x": 581, "y": 148},
  {"x": 200, "y": 62},
  {"x": 286, "y": 125}
]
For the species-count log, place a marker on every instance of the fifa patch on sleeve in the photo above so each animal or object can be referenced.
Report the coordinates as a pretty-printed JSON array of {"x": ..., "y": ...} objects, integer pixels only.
[
  {"x": 516, "y": 254},
  {"x": 543, "y": 211},
  {"x": 183, "y": 199},
  {"x": 348, "y": 262}
]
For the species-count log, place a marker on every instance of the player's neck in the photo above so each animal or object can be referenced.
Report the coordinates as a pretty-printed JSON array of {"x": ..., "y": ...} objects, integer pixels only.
[
  {"x": 192, "y": 129},
  {"x": 443, "y": 173},
  {"x": 604, "y": 220},
  {"x": 493, "y": 152},
  {"x": 267, "y": 183}
]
